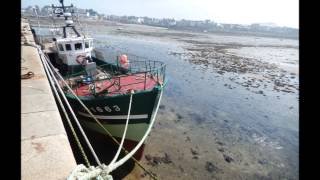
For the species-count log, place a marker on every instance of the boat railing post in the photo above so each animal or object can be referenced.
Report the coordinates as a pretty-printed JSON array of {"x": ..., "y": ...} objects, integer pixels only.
[
  {"x": 157, "y": 75},
  {"x": 70, "y": 83},
  {"x": 111, "y": 67},
  {"x": 94, "y": 85},
  {"x": 77, "y": 86},
  {"x": 163, "y": 72},
  {"x": 145, "y": 64},
  {"x": 145, "y": 80},
  {"x": 117, "y": 62}
]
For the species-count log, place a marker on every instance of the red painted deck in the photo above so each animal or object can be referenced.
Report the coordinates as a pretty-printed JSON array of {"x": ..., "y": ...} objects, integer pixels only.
[{"x": 119, "y": 85}]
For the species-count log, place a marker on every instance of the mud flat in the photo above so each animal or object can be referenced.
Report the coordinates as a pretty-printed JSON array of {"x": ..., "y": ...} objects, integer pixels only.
[{"x": 253, "y": 61}]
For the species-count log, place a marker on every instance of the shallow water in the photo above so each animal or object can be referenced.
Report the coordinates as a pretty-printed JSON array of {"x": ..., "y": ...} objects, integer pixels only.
[
  {"x": 210, "y": 126},
  {"x": 208, "y": 108}
]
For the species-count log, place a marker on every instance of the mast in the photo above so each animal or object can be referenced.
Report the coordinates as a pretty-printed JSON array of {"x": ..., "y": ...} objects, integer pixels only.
[{"x": 66, "y": 12}]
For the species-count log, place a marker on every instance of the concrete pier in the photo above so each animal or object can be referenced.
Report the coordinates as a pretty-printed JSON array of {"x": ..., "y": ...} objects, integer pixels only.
[{"x": 45, "y": 148}]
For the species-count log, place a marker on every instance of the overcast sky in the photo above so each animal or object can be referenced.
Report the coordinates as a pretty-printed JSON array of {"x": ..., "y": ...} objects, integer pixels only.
[{"x": 280, "y": 12}]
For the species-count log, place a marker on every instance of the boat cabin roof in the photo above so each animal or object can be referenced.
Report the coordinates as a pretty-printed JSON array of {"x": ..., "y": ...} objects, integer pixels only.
[{"x": 68, "y": 39}]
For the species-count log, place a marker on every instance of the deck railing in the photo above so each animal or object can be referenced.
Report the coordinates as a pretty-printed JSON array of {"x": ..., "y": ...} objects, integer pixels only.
[{"x": 115, "y": 73}]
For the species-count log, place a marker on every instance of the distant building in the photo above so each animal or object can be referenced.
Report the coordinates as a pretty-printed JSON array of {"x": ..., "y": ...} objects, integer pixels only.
[
  {"x": 220, "y": 25},
  {"x": 268, "y": 24},
  {"x": 81, "y": 12},
  {"x": 45, "y": 11},
  {"x": 140, "y": 20}
]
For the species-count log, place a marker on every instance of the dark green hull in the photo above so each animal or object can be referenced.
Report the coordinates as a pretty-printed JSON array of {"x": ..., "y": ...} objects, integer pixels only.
[
  {"x": 117, "y": 107},
  {"x": 112, "y": 114},
  {"x": 112, "y": 111}
]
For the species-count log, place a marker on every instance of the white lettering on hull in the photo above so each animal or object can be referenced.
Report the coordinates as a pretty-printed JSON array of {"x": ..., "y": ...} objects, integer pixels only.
[
  {"x": 139, "y": 116},
  {"x": 106, "y": 108}
]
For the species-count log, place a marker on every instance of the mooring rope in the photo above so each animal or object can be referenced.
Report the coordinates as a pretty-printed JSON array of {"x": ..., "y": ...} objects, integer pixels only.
[
  {"x": 98, "y": 122},
  {"x": 124, "y": 131},
  {"x": 124, "y": 159},
  {"x": 66, "y": 114},
  {"x": 81, "y": 172},
  {"x": 72, "y": 113},
  {"x": 106, "y": 131}
]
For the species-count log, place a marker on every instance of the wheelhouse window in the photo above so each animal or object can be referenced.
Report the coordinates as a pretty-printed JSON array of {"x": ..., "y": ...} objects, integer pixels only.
[
  {"x": 78, "y": 46},
  {"x": 90, "y": 43},
  {"x": 68, "y": 47},
  {"x": 86, "y": 44},
  {"x": 60, "y": 47}
]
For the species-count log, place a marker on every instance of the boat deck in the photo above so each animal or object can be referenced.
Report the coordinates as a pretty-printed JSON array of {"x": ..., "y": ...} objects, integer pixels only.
[{"x": 118, "y": 85}]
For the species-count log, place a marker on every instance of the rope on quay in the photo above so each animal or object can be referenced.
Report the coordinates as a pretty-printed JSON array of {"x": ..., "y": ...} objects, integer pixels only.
[{"x": 28, "y": 75}]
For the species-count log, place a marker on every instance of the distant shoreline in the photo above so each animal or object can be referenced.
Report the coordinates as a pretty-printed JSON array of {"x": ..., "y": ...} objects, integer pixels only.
[
  {"x": 47, "y": 20},
  {"x": 242, "y": 33}
]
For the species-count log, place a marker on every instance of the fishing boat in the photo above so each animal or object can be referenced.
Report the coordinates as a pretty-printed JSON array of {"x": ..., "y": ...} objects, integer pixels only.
[{"x": 106, "y": 85}]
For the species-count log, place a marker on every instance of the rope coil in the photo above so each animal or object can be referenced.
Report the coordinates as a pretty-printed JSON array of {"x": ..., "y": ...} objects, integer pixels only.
[
  {"x": 81, "y": 172},
  {"x": 28, "y": 75}
]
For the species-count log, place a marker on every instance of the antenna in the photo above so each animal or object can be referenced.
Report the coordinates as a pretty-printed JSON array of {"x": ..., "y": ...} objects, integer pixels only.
[{"x": 66, "y": 12}]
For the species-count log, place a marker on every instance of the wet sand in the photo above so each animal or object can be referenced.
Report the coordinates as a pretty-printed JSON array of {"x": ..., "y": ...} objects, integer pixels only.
[{"x": 230, "y": 109}]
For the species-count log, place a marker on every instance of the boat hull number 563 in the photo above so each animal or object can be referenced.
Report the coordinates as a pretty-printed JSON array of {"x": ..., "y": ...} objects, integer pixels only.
[{"x": 106, "y": 109}]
